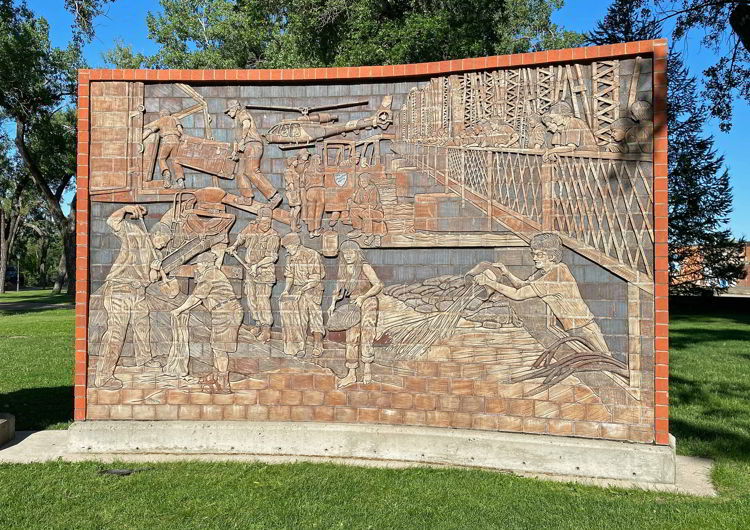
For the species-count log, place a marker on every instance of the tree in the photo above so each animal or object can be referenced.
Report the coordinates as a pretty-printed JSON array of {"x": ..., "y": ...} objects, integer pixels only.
[
  {"x": 703, "y": 256},
  {"x": 725, "y": 25},
  {"x": 15, "y": 202},
  {"x": 312, "y": 33},
  {"x": 625, "y": 21},
  {"x": 36, "y": 96},
  {"x": 84, "y": 13}
]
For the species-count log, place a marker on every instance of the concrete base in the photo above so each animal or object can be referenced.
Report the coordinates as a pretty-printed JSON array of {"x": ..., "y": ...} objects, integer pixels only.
[
  {"x": 383, "y": 444},
  {"x": 7, "y": 428}
]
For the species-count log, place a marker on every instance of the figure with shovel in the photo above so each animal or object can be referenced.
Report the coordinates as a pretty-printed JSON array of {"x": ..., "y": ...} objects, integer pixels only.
[
  {"x": 135, "y": 268},
  {"x": 262, "y": 244},
  {"x": 215, "y": 293}
]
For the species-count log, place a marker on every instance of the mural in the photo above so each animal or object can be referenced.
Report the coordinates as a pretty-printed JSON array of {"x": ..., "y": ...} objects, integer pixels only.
[{"x": 472, "y": 250}]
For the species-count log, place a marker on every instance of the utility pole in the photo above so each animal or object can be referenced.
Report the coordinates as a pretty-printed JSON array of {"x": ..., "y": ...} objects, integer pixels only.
[{"x": 18, "y": 272}]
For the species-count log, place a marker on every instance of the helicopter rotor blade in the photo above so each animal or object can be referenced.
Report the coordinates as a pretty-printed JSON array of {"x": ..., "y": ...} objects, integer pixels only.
[
  {"x": 339, "y": 106},
  {"x": 275, "y": 107}
]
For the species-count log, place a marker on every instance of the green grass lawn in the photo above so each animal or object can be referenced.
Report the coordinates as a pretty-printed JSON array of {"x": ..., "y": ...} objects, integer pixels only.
[
  {"x": 710, "y": 392},
  {"x": 36, "y": 360}
]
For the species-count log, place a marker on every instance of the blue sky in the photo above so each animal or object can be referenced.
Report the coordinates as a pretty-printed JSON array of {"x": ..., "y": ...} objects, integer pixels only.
[{"x": 126, "y": 21}]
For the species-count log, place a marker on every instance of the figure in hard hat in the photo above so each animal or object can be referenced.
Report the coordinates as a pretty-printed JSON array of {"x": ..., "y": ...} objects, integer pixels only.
[
  {"x": 124, "y": 292},
  {"x": 262, "y": 244},
  {"x": 248, "y": 147},
  {"x": 170, "y": 132},
  {"x": 213, "y": 290}
]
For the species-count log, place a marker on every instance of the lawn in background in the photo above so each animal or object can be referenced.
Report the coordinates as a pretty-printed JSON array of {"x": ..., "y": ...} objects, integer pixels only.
[
  {"x": 710, "y": 396},
  {"x": 36, "y": 360}
]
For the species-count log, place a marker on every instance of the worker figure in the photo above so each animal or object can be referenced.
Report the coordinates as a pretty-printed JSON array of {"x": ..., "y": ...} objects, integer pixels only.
[
  {"x": 248, "y": 146},
  {"x": 553, "y": 283},
  {"x": 213, "y": 290},
  {"x": 124, "y": 292},
  {"x": 170, "y": 132},
  {"x": 642, "y": 134},
  {"x": 358, "y": 281},
  {"x": 618, "y": 134},
  {"x": 262, "y": 244},
  {"x": 314, "y": 202},
  {"x": 292, "y": 185},
  {"x": 568, "y": 132},
  {"x": 300, "y": 303},
  {"x": 366, "y": 210}
]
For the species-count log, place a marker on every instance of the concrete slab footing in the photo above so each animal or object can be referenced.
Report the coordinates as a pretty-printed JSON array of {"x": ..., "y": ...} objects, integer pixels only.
[
  {"x": 7, "y": 428},
  {"x": 384, "y": 444}
]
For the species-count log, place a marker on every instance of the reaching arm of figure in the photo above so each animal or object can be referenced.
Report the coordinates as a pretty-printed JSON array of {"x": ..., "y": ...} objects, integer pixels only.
[
  {"x": 569, "y": 148},
  {"x": 338, "y": 294},
  {"x": 148, "y": 131},
  {"x": 237, "y": 243},
  {"x": 189, "y": 303},
  {"x": 312, "y": 282},
  {"x": 513, "y": 140},
  {"x": 524, "y": 293},
  {"x": 115, "y": 220},
  {"x": 514, "y": 280},
  {"x": 377, "y": 285},
  {"x": 289, "y": 279}
]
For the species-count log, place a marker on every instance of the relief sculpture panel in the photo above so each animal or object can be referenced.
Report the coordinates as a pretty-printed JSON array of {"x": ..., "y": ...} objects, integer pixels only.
[{"x": 473, "y": 250}]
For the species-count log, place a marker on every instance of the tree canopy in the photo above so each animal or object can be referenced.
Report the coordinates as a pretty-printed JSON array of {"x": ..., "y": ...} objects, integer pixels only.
[
  {"x": 725, "y": 29},
  {"x": 312, "y": 33},
  {"x": 704, "y": 257},
  {"x": 37, "y": 97},
  {"x": 625, "y": 21}
]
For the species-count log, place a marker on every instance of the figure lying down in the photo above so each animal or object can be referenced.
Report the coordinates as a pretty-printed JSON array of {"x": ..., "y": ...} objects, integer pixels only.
[
  {"x": 441, "y": 306},
  {"x": 553, "y": 283}
]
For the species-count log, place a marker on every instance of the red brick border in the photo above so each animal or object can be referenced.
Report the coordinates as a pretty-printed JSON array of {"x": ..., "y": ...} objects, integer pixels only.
[
  {"x": 82, "y": 246},
  {"x": 656, "y": 48},
  {"x": 661, "y": 259}
]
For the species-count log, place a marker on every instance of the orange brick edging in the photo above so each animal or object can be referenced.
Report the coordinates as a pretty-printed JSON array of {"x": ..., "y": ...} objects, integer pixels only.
[
  {"x": 661, "y": 252},
  {"x": 379, "y": 72},
  {"x": 82, "y": 246},
  {"x": 657, "y": 48}
]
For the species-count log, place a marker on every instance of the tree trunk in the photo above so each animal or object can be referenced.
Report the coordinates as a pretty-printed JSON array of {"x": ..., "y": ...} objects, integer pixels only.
[
  {"x": 3, "y": 252},
  {"x": 69, "y": 244},
  {"x": 66, "y": 225},
  {"x": 41, "y": 253},
  {"x": 61, "y": 275},
  {"x": 10, "y": 223}
]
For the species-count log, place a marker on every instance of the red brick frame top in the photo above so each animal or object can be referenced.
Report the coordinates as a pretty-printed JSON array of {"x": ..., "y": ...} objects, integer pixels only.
[{"x": 656, "y": 48}]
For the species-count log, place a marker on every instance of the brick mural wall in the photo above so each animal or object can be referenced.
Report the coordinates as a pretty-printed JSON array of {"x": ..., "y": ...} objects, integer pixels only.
[{"x": 507, "y": 256}]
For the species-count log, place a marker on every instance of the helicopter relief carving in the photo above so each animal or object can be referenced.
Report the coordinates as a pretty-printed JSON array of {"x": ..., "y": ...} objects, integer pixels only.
[{"x": 471, "y": 250}]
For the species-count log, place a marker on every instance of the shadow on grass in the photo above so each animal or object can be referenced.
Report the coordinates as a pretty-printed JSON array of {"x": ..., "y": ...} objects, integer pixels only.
[
  {"x": 711, "y": 442},
  {"x": 682, "y": 338},
  {"x": 689, "y": 392},
  {"x": 27, "y": 309},
  {"x": 39, "y": 408},
  {"x": 711, "y": 417}
]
